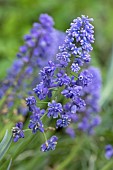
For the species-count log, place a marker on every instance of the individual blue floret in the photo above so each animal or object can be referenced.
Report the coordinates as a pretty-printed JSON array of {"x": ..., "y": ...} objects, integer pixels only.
[
  {"x": 54, "y": 109},
  {"x": 17, "y": 131},
  {"x": 36, "y": 124},
  {"x": 49, "y": 144}
]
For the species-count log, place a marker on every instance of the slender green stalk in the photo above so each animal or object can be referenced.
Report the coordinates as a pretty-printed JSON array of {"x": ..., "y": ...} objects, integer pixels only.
[
  {"x": 26, "y": 130},
  {"x": 42, "y": 102},
  {"x": 43, "y": 115},
  {"x": 45, "y": 137}
]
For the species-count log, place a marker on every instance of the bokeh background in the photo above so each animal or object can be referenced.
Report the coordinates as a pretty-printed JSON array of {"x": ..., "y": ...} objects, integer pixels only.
[{"x": 82, "y": 153}]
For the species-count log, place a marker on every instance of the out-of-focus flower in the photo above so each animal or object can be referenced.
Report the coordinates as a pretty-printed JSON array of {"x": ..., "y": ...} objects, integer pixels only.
[{"x": 108, "y": 151}]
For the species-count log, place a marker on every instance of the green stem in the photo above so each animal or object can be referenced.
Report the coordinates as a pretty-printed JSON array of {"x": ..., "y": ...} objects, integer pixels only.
[
  {"x": 43, "y": 116},
  {"x": 45, "y": 137},
  {"x": 42, "y": 102},
  {"x": 53, "y": 88},
  {"x": 26, "y": 130}
]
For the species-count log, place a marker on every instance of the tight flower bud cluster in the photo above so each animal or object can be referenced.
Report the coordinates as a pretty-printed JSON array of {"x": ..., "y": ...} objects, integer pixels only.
[{"x": 67, "y": 89}]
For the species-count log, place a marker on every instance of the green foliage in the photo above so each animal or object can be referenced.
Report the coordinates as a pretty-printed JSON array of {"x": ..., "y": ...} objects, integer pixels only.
[{"x": 5, "y": 144}]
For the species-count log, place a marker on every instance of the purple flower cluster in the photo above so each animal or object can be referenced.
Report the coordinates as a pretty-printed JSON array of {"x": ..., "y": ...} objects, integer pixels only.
[
  {"x": 35, "y": 120},
  {"x": 67, "y": 90},
  {"x": 91, "y": 93},
  {"x": 40, "y": 46},
  {"x": 79, "y": 38}
]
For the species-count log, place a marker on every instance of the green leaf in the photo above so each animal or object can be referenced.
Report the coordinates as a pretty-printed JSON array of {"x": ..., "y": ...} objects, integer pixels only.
[
  {"x": 5, "y": 144},
  {"x": 8, "y": 168},
  {"x": 3, "y": 140},
  {"x": 108, "y": 166}
]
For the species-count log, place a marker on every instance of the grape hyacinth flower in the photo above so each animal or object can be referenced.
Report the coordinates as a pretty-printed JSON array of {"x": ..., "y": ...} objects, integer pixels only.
[
  {"x": 68, "y": 87},
  {"x": 40, "y": 46},
  {"x": 79, "y": 38}
]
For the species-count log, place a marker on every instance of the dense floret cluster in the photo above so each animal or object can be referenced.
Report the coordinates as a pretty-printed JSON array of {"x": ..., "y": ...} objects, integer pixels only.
[{"x": 68, "y": 89}]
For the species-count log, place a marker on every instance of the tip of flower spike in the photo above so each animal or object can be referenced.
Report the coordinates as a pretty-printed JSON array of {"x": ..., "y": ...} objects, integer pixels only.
[
  {"x": 87, "y": 17},
  {"x": 46, "y": 20},
  {"x": 83, "y": 18}
]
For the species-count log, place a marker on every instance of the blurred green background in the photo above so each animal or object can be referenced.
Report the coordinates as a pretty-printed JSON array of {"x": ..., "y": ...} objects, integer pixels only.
[{"x": 83, "y": 153}]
